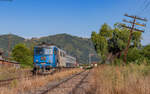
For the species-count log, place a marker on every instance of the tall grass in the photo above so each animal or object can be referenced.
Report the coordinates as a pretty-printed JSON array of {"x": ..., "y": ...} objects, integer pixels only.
[
  {"x": 131, "y": 79},
  {"x": 11, "y": 72}
]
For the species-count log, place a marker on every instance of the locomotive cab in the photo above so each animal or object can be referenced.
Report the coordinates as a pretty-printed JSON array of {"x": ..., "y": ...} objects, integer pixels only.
[{"x": 45, "y": 58}]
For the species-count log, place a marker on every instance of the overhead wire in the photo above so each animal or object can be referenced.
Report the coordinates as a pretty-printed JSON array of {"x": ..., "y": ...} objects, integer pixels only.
[
  {"x": 143, "y": 11},
  {"x": 141, "y": 7},
  {"x": 147, "y": 5}
]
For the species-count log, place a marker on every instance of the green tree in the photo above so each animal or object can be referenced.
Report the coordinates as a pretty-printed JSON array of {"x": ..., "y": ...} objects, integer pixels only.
[
  {"x": 23, "y": 55},
  {"x": 146, "y": 53},
  {"x": 110, "y": 43},
  {"x": 134, "y": 55}
]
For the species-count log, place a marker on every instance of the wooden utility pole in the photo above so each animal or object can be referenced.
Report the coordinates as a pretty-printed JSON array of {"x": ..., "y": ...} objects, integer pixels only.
[
  {"x": 133, "y": 23},
  {"x": 9, "y": 44}
]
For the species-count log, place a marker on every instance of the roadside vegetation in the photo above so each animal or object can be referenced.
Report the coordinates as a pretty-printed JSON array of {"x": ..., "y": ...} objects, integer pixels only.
[
  {"x": 130, "y": 79},
  {"x": 22, "y": 54}
]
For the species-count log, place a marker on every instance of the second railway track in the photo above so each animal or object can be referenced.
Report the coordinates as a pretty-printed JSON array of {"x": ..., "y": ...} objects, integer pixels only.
[
  {"x": 68, "y": 85},
  {"x": 8, "y": 81}
]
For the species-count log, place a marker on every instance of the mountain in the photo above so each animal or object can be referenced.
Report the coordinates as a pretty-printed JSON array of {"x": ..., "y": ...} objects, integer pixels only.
[
  {"x": 9, "y": 41},
  {"x": 73, "y": 45}
]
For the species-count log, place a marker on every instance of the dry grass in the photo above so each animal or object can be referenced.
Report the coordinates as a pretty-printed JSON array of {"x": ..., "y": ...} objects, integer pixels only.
[
  {"x": 11, "y": 72},
  {"x": 37, "y": 82},
  {"x": 131, "y": 79}
]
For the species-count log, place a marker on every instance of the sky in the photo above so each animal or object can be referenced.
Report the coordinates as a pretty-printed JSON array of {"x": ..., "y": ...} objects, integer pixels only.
[{"x": 37, "y": 18}]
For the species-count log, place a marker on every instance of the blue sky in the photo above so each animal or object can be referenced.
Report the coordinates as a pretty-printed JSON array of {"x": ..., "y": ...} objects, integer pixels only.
[{"x": 36, "y": 18}]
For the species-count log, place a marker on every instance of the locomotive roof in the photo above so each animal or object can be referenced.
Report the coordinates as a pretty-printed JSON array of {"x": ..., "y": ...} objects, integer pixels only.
[{"x": 45, "y": 46}]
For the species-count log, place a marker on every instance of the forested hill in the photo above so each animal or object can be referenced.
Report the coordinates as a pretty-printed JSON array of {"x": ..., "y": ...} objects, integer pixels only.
[
  {"x": 9, "y": 40},
  {"x": 75, "y": 46}
]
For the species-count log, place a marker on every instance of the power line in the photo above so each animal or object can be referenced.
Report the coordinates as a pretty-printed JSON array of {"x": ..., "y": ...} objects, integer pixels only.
[
  {"x": 145, "y": 1},
  {"x": 141, "y": 7},
  {"x": 147, "y": 5}
]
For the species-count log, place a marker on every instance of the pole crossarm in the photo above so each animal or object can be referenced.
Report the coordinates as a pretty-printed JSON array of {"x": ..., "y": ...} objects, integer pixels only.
[
  {"x": 133, "y": 28},
  {"x": 144, "y": 25},
  {"x": 136, "y": 17}
]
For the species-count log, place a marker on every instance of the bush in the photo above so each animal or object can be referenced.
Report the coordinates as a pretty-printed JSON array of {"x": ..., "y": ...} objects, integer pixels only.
[{"x": 23, "y": 55}]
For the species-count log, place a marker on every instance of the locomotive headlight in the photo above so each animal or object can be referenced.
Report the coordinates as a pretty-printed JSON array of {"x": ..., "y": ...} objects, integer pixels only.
[{"x": 43, "y": 58}]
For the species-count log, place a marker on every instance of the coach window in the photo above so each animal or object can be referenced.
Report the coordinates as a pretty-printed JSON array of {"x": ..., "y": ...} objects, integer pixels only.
[
  {"x": 55, "y": 51},
  {"x": 61, "y": 54},
  {"x": 64, "y": 55}
]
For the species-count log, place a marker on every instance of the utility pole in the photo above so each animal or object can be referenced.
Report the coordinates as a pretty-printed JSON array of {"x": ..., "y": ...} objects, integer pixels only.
[
  {"x": 133, "y": 23},
  {"x": 9, "y": 45},
  {"x": 90, "y": 52}
]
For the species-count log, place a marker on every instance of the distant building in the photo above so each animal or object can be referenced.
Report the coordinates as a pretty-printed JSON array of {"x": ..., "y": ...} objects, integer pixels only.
[{"x": 7, "y": 63}]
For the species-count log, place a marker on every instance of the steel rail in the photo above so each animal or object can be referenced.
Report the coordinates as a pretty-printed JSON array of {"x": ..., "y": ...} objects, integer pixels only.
[
  {"x": 77, "y": 86},
  {"x": 61, "y": 82}
]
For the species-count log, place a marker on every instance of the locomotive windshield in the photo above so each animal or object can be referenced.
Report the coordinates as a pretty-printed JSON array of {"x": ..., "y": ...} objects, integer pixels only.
[
  {"x": 39, "y": 51},
  {"x": 46, "y": 51}
]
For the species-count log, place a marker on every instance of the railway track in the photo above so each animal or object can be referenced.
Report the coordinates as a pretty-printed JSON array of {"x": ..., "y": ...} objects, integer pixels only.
[
  {"x": 68, "y": 85},
  {"x": 7, "y": 82}
]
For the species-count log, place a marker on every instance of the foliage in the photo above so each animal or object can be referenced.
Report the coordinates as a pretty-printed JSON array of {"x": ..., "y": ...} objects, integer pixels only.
[
  {"x": 109, "y": 43},
  {"x": 134, "y": 55},
  {"x": 22, "y": 54},
  {"x": 146, "y": 52}
]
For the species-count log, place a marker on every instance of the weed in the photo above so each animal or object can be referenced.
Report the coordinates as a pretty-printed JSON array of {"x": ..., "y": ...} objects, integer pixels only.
[{"x": 130, "y": 79}]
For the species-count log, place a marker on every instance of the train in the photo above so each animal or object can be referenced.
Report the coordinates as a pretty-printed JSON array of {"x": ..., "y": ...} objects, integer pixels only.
[{"x": 47, "y": 57}]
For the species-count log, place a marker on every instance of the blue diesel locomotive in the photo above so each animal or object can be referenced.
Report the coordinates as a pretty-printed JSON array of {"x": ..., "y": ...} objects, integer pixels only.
[{"x": 47, "y": 57}]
